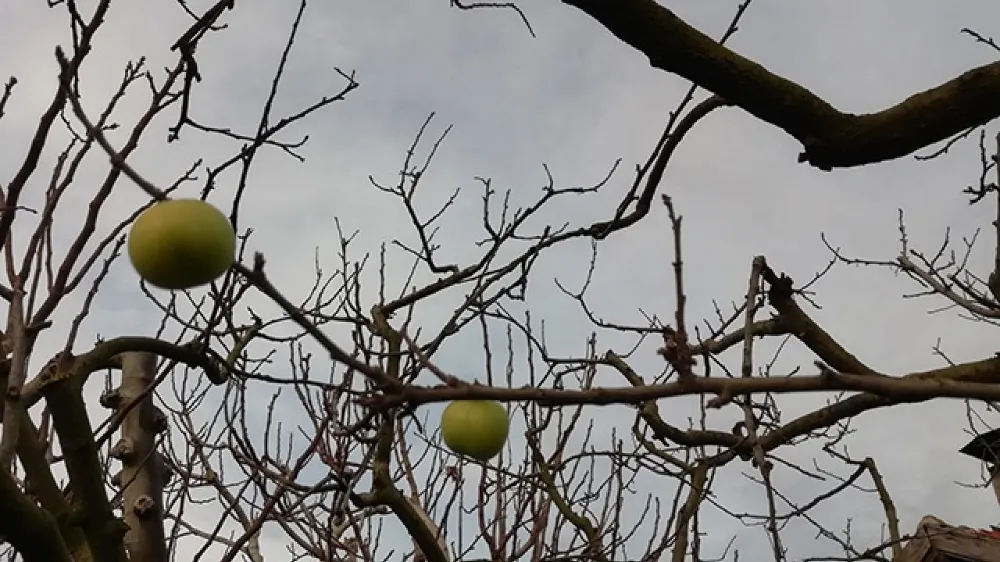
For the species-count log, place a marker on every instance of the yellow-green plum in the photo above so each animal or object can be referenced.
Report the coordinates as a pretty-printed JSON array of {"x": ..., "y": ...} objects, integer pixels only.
[
  {"x": 475, "y": 428},
  {"x": 181, "y": 243}
]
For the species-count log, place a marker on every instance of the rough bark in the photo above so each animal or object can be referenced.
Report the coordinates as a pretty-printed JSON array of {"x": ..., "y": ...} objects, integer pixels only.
[
  {"x": 830, "y": 138},
  {"x": 142, "y": 473}
]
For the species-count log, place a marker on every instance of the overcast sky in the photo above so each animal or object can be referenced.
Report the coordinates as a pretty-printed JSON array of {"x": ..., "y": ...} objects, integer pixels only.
[{"x": 575, "y": 99}]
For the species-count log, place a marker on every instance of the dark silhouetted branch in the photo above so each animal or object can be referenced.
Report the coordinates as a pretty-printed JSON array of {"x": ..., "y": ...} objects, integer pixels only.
[{"x": 831, "y": 138}]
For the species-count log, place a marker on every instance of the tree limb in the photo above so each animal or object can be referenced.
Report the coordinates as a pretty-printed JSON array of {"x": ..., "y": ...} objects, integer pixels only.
[
  {"x": 976, "y": 380},
  {"x": 36, "y": 533},
  {"x": 831, "y": 138},
  {"x": 32, "y": 532},
  {"x": 102, "y": 356},
  {"x": 41, "y": 484},
  {"x": 407, "y": 511},
  {"x": 807, "y": 331},
  {"x": 91, "y": 509},
  {"x": 142, "y": 478}
]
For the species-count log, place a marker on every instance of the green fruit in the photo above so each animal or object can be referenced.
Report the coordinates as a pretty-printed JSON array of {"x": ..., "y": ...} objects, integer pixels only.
[
  {"x": 475, "y": 428},
  {"x": 181, "y": 243}
]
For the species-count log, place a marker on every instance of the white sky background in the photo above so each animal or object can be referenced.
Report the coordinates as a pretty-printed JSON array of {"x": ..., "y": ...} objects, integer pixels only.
[{"x": 575, "y": 99}]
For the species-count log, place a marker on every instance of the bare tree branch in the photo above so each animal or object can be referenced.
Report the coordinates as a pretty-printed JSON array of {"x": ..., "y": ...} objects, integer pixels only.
[{"x": 830, "y": 138}]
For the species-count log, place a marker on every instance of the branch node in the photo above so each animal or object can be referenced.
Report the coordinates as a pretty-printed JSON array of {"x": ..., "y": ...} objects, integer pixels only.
[
  {"x": 144, "y": 506},
  {"x": 124, "y": 450}
]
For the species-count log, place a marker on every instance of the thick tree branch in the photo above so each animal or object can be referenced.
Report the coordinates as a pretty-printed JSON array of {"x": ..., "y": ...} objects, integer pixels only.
[
  {"x": 386, "y": 493},
  {"x": 102, "y": 357},
  {"x": 22, "y": 523},
  {"x": 699, "y": 479},
  {"x": 807, "y": 331},
  {"x": 831, "y": 138},
  {"x": 30, "y": 530},
  {"x": 61, "y": 383},
  {"x": 422, "y": 530},
  {"x": 142, "y": 478},
  {"x": 42, "y": 486},
  {"x": 595, "y": 548},
  {"x": 976, "y": 380},
  {"x": 91, "y": 509}
]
